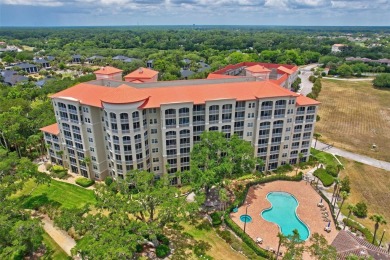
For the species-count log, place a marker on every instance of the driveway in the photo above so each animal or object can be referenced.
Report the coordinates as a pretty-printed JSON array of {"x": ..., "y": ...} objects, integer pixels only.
[
  {"x": 306, "y": 72},
  {"x": 352, "y": 156}
]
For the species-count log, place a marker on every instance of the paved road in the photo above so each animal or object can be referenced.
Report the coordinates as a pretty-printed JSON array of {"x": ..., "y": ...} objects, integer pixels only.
[
  {"x": 353, "y": 156},
  {"x": 306, "y": 85},
  {"x": 62, "y": 238}
]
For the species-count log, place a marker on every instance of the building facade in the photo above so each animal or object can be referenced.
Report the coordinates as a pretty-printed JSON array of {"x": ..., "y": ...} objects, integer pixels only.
[{"x": 120, "y": 126}]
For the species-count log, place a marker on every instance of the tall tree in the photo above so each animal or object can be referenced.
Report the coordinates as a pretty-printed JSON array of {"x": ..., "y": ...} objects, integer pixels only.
[
  {"x": 294, "y": 246},
  {"x": 378, "y": 219},
  {"x": 320, "y": 249}
]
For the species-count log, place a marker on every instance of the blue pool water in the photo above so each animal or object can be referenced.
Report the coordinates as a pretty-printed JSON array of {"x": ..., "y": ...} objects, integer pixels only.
[
  {"x": 245, "y": 218},
  {"x": 283, "y": 213}
]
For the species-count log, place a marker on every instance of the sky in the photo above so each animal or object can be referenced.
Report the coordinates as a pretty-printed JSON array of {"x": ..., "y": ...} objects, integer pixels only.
[{"x": 199, "y": 12}]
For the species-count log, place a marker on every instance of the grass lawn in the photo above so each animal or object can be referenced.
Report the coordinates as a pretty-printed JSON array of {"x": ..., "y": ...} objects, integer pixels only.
[
  {"x": 354, "y": 116},
  {"x": 325, "y": 178},
  {"x": 372, "y": 186},
  {"x": 323, "y": 157},
  {"x": 220, "y": 250},
  {"x": 70, "y": 196},
  {"x": 57, "y": 252}
]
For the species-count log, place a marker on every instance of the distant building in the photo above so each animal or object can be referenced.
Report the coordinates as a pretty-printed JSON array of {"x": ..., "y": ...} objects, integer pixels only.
[
  {"x": 125, "y": 59},
  {"x": 44, "y": 63},
  {"x": 149, "y": 64},
  {"x": 338, "y": 47},
  {"x": 186, "y": 71},
  {"x": 109, "y": 73},
  {"x": 76, "y": 58},
  {"x": 27, "y": 67},
  {"x": 142, "y": 75},
  {"x": 95, "y": 58},
  {"x": 11, "y": 77}
]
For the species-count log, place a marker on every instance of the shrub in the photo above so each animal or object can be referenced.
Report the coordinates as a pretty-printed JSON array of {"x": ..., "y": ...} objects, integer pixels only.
[
  {"x": 201, "y": 247},
  {"x": 139, "y": 248},
  {"x": 356, "y": 226},
  {"x": 360, "y": 210},
  {"x": 163, "y": 239},
  {"x": 216, "y": 218},
  {"x": 325, "y": 178},
  {"x": 225, "y": 235},
  {"x": 382, "y": 81},
  {"x": 284, "y": 169},
  {"x": 345, "y": 185},
  {"x": 162, "y": 251},
  {"x": 108, "y": 181},
  {"x": 84, "y": 182},
  {"x": 323, "y": 74},
  {"x": 58, "y": 171},
  {"x": 332, "y": 170}
]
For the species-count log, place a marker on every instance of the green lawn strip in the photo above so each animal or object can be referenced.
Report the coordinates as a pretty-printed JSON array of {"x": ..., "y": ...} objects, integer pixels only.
[
  {"x": 68, "y": 195},
  {"x": 56, "y": 251},
  {"x": 325, "y": 178},
  {"x": 325, "y": 158}
]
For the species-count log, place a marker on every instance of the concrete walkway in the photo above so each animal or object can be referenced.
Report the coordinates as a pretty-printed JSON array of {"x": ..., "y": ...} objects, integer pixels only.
[
  {"x": 62, "y": 238},
  {"x": 71, "y": 179},
  {"x": 352, "y": 156},
  {"x": 306, "y": 85}
]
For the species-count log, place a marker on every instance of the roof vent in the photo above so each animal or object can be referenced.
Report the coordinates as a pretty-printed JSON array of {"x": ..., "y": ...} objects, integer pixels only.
[{"x": 140, "y": 70}]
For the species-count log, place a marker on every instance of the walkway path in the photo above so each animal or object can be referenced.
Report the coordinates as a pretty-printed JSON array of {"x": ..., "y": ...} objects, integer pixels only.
[
  {"x": 306, "y": 85},
  {"x": 62, "y": 238},
  {"x": 71, "y": 179},
  {"x": 352, "y": 156}
]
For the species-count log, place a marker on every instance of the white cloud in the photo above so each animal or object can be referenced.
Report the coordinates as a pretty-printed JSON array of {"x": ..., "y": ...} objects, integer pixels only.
[{"x": 32, "y": 2}]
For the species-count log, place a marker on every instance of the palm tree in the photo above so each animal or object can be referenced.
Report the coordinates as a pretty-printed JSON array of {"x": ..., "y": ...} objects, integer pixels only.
[
  {"x": 378, "y": 219},
  {"x": 87, "y": 162},
  {"x": 336, "y": 184},
  {"x": 300, "y": 156},
  {"x": 316, "y": 136},
  {"x": 281, "y": 239},
  {"x": 351, "y": 209},
  {"x": 344, "y": 196}
]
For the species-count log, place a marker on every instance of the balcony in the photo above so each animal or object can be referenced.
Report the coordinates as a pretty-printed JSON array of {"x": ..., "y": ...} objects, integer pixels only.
[
  {"x": 127, "y": 152},
  {"x": 213, "y": 122},
  {"x": 280, "y": 106},
  {"x": 294, "y": 155},
  {"x": 298, "y": 121},
  {"x": 62, "y": 109},
  {"x": 273, "y": 160},
  {"x": 170, "y": 137},
  {"x": 171, "y": 146},
  {"x": 280, "y": 116},
  {"x": 169, "y": 116},
  {"x": 140, "y": 160},
  {"x": 278, "y": 125},
  {"x": 74, "y": 121},
  {"x": 227, "y": 110},
  {"x": 311, "y": 111},
  {"x": 185, "y": 163},
  {"x": 171, "y": 155},
  {"x": 78, "y": 140},
  {"x": 137, "y": 129},
  {"x": 185, "y": 135},
  {"x": 295, "y": 147},
  {"x": 309, "y": 120},
  {"x": 264, "y": 136},
  {"x": 198, "y": 123},
  {"x": 265, "y": 117},
  {"x": 124, "y": 121},
  {"x": 170, "y": 126},
  {"x": 198, "y": 132},
  {"x": 265, "y": 127},
  {"x": 64, "y": 118},
  {"x": 72, "y": 111},
  {"x": 240, "y": 108},
  {"x": 184, "y": 125},
  {"x": 214, "y": 112},
  {"x": 114, "y": 131},
  {"x": 305, "y": 146},
  {"x": 300, "y": 112},
  {"x": 126, "y": 142},
  {"x": 127, "y": 131},
  {"x": 137, "y": 141},
  {"x": 306, "y": 137},
  {"x": 185, "y": 145},
  {"x": 275, "y": 152},
  {"x": 263, "y": 145},
  {"x": 276, "y": 134},
  {"x": 238, "y": 128},
  {"x": 296, "y": 139},
  {"x": 226, "y": 120},
  {"x": 184, "y": 114},
  {"x": 298, "y": 130},
  {"x": 262, "y": 154},
  {"x": 239, "y": 118},
  {"x": 136, "y": 119},
  {"x": 201, "y": 112},
  {"x": 266, "y": 108}
]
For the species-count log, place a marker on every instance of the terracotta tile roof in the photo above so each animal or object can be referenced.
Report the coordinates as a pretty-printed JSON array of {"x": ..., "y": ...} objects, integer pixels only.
[
  {"x": 108, "y": 70},
  {"x": 305, "y": 101},
  {"x": 87, "y": 94},
  {"x": 285, "y": 70},
  {"x": 219, "y": 76},
  {"x": 257, "y": 68},
  {"x": 93, "y": 95},
  {"x": 51, "y": 129},
  {"x": 248, "y": 64},
  {"x": 348, "y": 244},
  {"x": 142, "y": 73}
]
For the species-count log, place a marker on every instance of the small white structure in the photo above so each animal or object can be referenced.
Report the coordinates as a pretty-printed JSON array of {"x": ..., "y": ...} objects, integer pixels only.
[{"x": 338, "y": 47}]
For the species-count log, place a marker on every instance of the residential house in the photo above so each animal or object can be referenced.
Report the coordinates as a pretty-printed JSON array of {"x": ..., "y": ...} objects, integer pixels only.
[
  {"x": 27, "y": 67},
  {"x": 11, "y": 77},
  {"x": 76, "y": 58}
]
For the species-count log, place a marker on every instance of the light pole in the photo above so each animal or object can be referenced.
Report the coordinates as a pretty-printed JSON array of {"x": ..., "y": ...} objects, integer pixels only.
[
  {"x": 382, "y": 237},
  {"x": 246, "y": 213}
]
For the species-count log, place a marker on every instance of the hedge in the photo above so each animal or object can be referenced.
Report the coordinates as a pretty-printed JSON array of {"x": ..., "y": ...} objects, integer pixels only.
[
  {"x": 240, "y": 199},
  {"x": 216, "y": 218},
  {"x": 355, "y": 225},
  {"x": 324, "y": 176},
  {"x": 162, "y": 251},
  {"x": 84, "y": 182}
]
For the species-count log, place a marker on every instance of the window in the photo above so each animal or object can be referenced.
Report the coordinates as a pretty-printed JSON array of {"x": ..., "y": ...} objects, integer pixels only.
[
  {"x": 92, "y": 149},
  {"x": 155, "y": 150},
  {"x": 90, "y": 139},
  {"x": 156, "y": 159},
  {"x": 85, "y": 109},
  {"x": 156, "y": 168},
  {"x": 288, "y": 129},
  {"x": 89, "y": 130},
  {"x": 286, "y": 138},
  {"x": 154, "y": 141},
  {"x": 249, "y": 134},
  {"x": 154, "y": 131},
  {"x": 250, "y": 124}
]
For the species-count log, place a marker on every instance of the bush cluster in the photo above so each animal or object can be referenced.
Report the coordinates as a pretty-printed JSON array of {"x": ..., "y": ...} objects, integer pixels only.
[
  {"x": 58, "y": 171},
  {"x": 84, "y": 182},
  {"x": 382, "y": 81},
  {"x": 162, "y": 251},
  {"x": 108, "y": 181},
  {"x": 356, "y": 226},
  {"x": 284, "y": 169},
  {"x": 360, "y": 210},
  {"x": 324, "y": 176},
  {"x": 216, "y": 218}
]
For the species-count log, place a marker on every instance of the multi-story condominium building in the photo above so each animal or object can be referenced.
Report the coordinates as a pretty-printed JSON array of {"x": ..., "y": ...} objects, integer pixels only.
[{"x": 122, "y": 125}]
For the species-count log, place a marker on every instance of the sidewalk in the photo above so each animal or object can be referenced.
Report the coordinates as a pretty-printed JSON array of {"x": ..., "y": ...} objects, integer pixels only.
[
  {"x": 62, "y": 238},
  {"x": 352, "y": 156},
  {"x": 71, "y": 179}
]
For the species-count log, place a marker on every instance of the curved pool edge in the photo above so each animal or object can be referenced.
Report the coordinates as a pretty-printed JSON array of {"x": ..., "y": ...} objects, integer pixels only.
[{"x": 296, "y": 213}]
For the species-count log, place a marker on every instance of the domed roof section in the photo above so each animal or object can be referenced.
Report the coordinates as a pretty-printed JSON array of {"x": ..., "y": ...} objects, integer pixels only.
[{"x": 124, "y": 94}]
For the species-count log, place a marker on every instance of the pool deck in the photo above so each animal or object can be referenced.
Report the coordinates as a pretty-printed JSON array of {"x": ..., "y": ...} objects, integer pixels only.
[{"x": 307, "y": 211}]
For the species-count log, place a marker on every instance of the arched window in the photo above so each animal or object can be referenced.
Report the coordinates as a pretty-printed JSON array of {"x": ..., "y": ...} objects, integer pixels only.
[
  {"x": 170, "y": 112},
  {"x": 214, "y": 128},
  {"x": 72, "y": 107},
  {"x": 124, "y": 116},
  {"x": 184, "y": 110},
  {"x": 227, "y": 106},
  {"x": 281, "y": 103},
  {"x": 184, "y": 132},
  {"x": 126, "y": 139},
  {"x": 62, "y": 105},
  {"x": 278, "y": 123},
  {"x": 226, "y": 128},
  {"x": 265, "y": 125},
  {"x": 266, "y": 104},
  {"x": 213, "y": 108},
  {"x": 135, "y": 116},
  {"x": 170, "y": 134},
  {"x": 113, "y": 116}
]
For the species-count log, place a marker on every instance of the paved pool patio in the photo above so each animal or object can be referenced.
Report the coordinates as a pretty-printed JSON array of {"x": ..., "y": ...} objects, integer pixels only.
[{"x": 308, "y": 212}]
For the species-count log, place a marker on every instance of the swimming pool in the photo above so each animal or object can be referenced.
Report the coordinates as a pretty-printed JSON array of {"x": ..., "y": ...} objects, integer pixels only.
[{"x": 283, "y": 213}]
